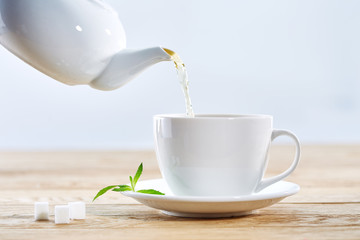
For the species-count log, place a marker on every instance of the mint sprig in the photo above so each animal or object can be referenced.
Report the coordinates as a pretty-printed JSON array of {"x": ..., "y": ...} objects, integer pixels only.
[{"x": 123, "y": 188}]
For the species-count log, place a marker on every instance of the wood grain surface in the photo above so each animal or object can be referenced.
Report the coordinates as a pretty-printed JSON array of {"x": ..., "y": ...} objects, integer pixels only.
[{"x": 327, "y": 206}]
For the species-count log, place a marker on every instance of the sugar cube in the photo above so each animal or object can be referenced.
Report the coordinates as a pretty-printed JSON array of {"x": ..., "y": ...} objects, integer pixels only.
[
  {"x": 77, "y": 210},
  {"x": 41, "y": 211},
  {"x": 62, "y": 214}
]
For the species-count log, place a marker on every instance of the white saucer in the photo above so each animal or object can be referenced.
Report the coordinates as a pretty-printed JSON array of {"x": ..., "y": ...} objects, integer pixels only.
[{"x": 210, "y": 207}]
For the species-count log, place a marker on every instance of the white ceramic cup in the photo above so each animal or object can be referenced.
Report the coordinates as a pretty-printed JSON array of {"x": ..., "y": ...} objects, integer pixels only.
[{"x": 217, "y": 155}]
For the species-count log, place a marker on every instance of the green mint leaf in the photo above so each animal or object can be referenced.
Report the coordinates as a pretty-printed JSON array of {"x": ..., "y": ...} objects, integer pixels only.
[
  {"x": 122, "y": 188},
  {"x": 104, "y": 190},
  {"x": 132, "y": 183},
  {"x": 138, "y": 174},
  {"x": 151, "y": 191}
]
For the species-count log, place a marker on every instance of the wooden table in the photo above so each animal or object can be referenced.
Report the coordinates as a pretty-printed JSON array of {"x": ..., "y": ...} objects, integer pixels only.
[{"x": 327, "y": 206}]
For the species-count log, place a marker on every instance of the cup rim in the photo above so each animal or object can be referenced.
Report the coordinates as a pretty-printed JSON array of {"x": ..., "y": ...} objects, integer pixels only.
[{"x": 213, "y": 116}]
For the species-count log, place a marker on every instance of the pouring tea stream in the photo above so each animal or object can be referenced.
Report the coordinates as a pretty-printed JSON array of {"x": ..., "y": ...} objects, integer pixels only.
[{"x": 77, "y": 43}]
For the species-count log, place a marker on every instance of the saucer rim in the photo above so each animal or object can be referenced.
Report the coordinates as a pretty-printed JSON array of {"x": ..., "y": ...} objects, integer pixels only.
[{"x": 292, "y": 189}]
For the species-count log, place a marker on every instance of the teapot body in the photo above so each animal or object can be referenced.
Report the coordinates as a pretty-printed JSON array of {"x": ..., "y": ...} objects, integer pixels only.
[{"x": 70, "y": 41}]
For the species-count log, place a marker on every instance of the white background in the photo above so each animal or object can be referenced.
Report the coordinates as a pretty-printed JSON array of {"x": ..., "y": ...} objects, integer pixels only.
[{"x": 296, "y": 60}]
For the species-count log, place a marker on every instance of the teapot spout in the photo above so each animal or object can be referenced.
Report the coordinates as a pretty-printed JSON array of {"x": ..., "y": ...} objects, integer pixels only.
[{"x": 126, "y": 65}]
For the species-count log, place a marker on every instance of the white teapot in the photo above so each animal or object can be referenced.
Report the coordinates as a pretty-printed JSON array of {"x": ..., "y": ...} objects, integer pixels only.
[{"x": 73, "y": 41}]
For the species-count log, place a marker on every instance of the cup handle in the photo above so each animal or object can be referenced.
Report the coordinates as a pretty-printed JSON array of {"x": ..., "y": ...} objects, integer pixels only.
[{"x": 268, "y": 181}]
